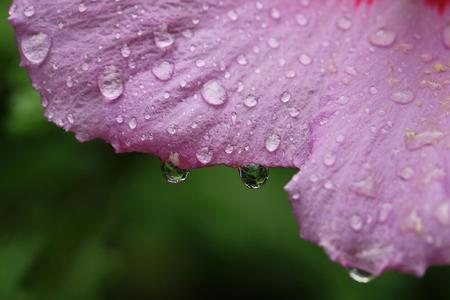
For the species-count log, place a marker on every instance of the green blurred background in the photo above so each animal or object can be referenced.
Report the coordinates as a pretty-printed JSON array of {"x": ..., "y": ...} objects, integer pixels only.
[{"x": 79, "y": 222}]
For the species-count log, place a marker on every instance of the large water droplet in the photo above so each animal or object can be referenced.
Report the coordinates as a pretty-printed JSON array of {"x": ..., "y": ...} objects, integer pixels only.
[
  {"x": 403, "y": 97},
  {"x": 110, "y": 83},
  {"x": 173, "y": 174},
  {"x": 383, "y": 37},
  {"x": 214, "y": 93},
  {"x": 204, "y": 155},
  {"x": 250, "y": 101},
  {"x": 360, "y": 276},
  {"x": 272, "y": 142},
  {"x": 36, "y": 47},
  {"x": 163, "y": 71},
  {"x": 254, "y": 176}
]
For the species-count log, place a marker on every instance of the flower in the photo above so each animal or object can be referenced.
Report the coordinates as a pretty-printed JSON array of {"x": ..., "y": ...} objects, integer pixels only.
[{"x": 358, "y": 99}]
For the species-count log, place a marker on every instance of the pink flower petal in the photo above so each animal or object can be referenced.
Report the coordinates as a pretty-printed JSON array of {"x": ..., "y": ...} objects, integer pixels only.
[
  {"x": 357, "y": 98},
  {"x": 375, "y": 193}
]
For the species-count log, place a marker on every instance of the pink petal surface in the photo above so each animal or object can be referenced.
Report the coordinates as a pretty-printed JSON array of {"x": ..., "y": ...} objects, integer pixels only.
[{"x": 356, "y": 98}]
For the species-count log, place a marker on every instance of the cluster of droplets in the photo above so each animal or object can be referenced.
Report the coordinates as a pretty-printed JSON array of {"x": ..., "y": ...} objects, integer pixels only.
[{"x": 252, "y": 176}]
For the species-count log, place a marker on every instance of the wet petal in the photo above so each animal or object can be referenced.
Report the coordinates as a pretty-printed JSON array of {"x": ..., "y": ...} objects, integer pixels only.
[
  {"x": 355, "y": 98},
  {"x": 375, "y": 193}
]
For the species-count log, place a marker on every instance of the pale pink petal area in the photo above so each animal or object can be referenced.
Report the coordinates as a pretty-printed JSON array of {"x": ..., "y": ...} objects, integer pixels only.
[
  {"x": 375, "y": 193},
  {"x": 356, "y": 98}
]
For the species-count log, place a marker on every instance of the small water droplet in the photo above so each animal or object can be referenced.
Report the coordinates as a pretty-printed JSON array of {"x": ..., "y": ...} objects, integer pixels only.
[
  {"x": 285, "y": 97},
  {"x": 301, "y": 20},
  {"x": 251, "y": 101},
  {"x": 273, "y": 43},
  {"x": 132, "y": 123},
  {"x": 125, "y": 51},
  {"x": 254, "y": 176},
  {"x": 163, "y": 70},
  {"x": 28, "y": 11},
  {"x": 214, "y": 93},
  {"x": 344, "y": 23},
  {"x": 272, "y": 142},
  {"x": 233, "y": 15},
  {"x": 163, "y": 38},
  {"x": 329, "y": 159},
  {"x": 204, "y": 155},
  {"x": 383, "y": 37},
  {"x": 173, "y": 174},
  {"x": 242, "y": 60},
  {"x": 36, "y": 47},
  {"x": 360, "y": 276},
  {"x": 110, "y": 83},
  {"x": 305, "y": 59}
]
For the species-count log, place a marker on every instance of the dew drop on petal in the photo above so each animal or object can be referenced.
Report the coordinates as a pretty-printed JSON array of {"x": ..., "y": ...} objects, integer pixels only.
[
  {"x": 305, "y": 59},
  {"x": 214, "y": 93},
  {"x": 285, "y": 97},
  {"x": 383, "y": 37},
  {"x": 110, "y": 83},
  {"x": 360, "y": 276},
  {"x": 163, "y": 71},
  {"x": 301, "y": 20},
  {"x": 125, "y": 51},
  {"x": 272, "y": 142},
  {"x": 36, "y": 47},
  {"x": 344, "y": 23},
  {"x": 163, "y": 38},
  {"x": 28, "y": 11},
  {"x": 254, "y": 176},
  {"x": 403, "y": 97},
  {"x": 204, "y": 155},
  {"x": 173, "y": 174},
  {"x": 250, "y": 101}
]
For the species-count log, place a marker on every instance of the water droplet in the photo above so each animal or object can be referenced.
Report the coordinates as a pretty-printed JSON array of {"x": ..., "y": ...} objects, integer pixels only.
[
  {"x": 273, "y": 142},
  {"x": 233, "y": 15},
  {"x": 275, "y": 13},
  {"x": 132, "y": 123},
  {"x": 329, "y": 159},
  {"x": 403, "y": 97},
  {"x": 163, "y": 71},
  {"x": 36, "y": 47},
  {"x": 172, "y": 129},
  {"x": 204, "y": 155},
  {"x": 405, "y": 173},
  {"x": 446, "y": 36},
  {"x": 344, "y": 23},
  {"x": 28, "y": 11},
  {"x": 82, "y": 8},
  {"x": 285, "y": 97},
  {"x": 301, "y": 20},
  {"x": 305, "y": 59},
  {"x": 242, "y": 60},
  {"x": 383, "y": 37},
  {"x": 173, "y": 174},
  {"x": 214, "y": 93},
  {"x": 273, "y": 43},
  {"x": 254, "y": 176},
  {"x": 163, "y": 38},
  {"x": 125, "y": 51},
  {"x": 251, "y": 101},
  {"x": 110, "y": 83},
  {"x": 360, "y": 276},
  {"x": 356, "y": 222}
]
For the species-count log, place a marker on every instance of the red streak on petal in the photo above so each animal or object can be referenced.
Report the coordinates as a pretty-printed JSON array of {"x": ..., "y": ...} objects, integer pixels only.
[{"x": 440, "y": 4}]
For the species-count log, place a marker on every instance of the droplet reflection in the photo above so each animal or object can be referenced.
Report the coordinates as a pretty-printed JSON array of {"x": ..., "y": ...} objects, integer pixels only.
[
  {"x": 173, "y": 174},
  {"x": 360, "y": 276},
  {"x": 254, "y": 176}
]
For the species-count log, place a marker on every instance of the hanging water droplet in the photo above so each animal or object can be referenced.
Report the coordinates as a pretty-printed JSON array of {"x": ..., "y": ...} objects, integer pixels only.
[
  {"x": 214, "y": 93},
  {"x": 383, "y": 37},
  {"x": 173, "y": 174},
  {"x": 163, "y": 38},
  {"x": 110, "y": 83},
  {"x": 163, "y": 71},
  {"x": 360, "y": 276},
  {"x": 254, "y": 176},
  {"x": 36, "y": 47}
]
